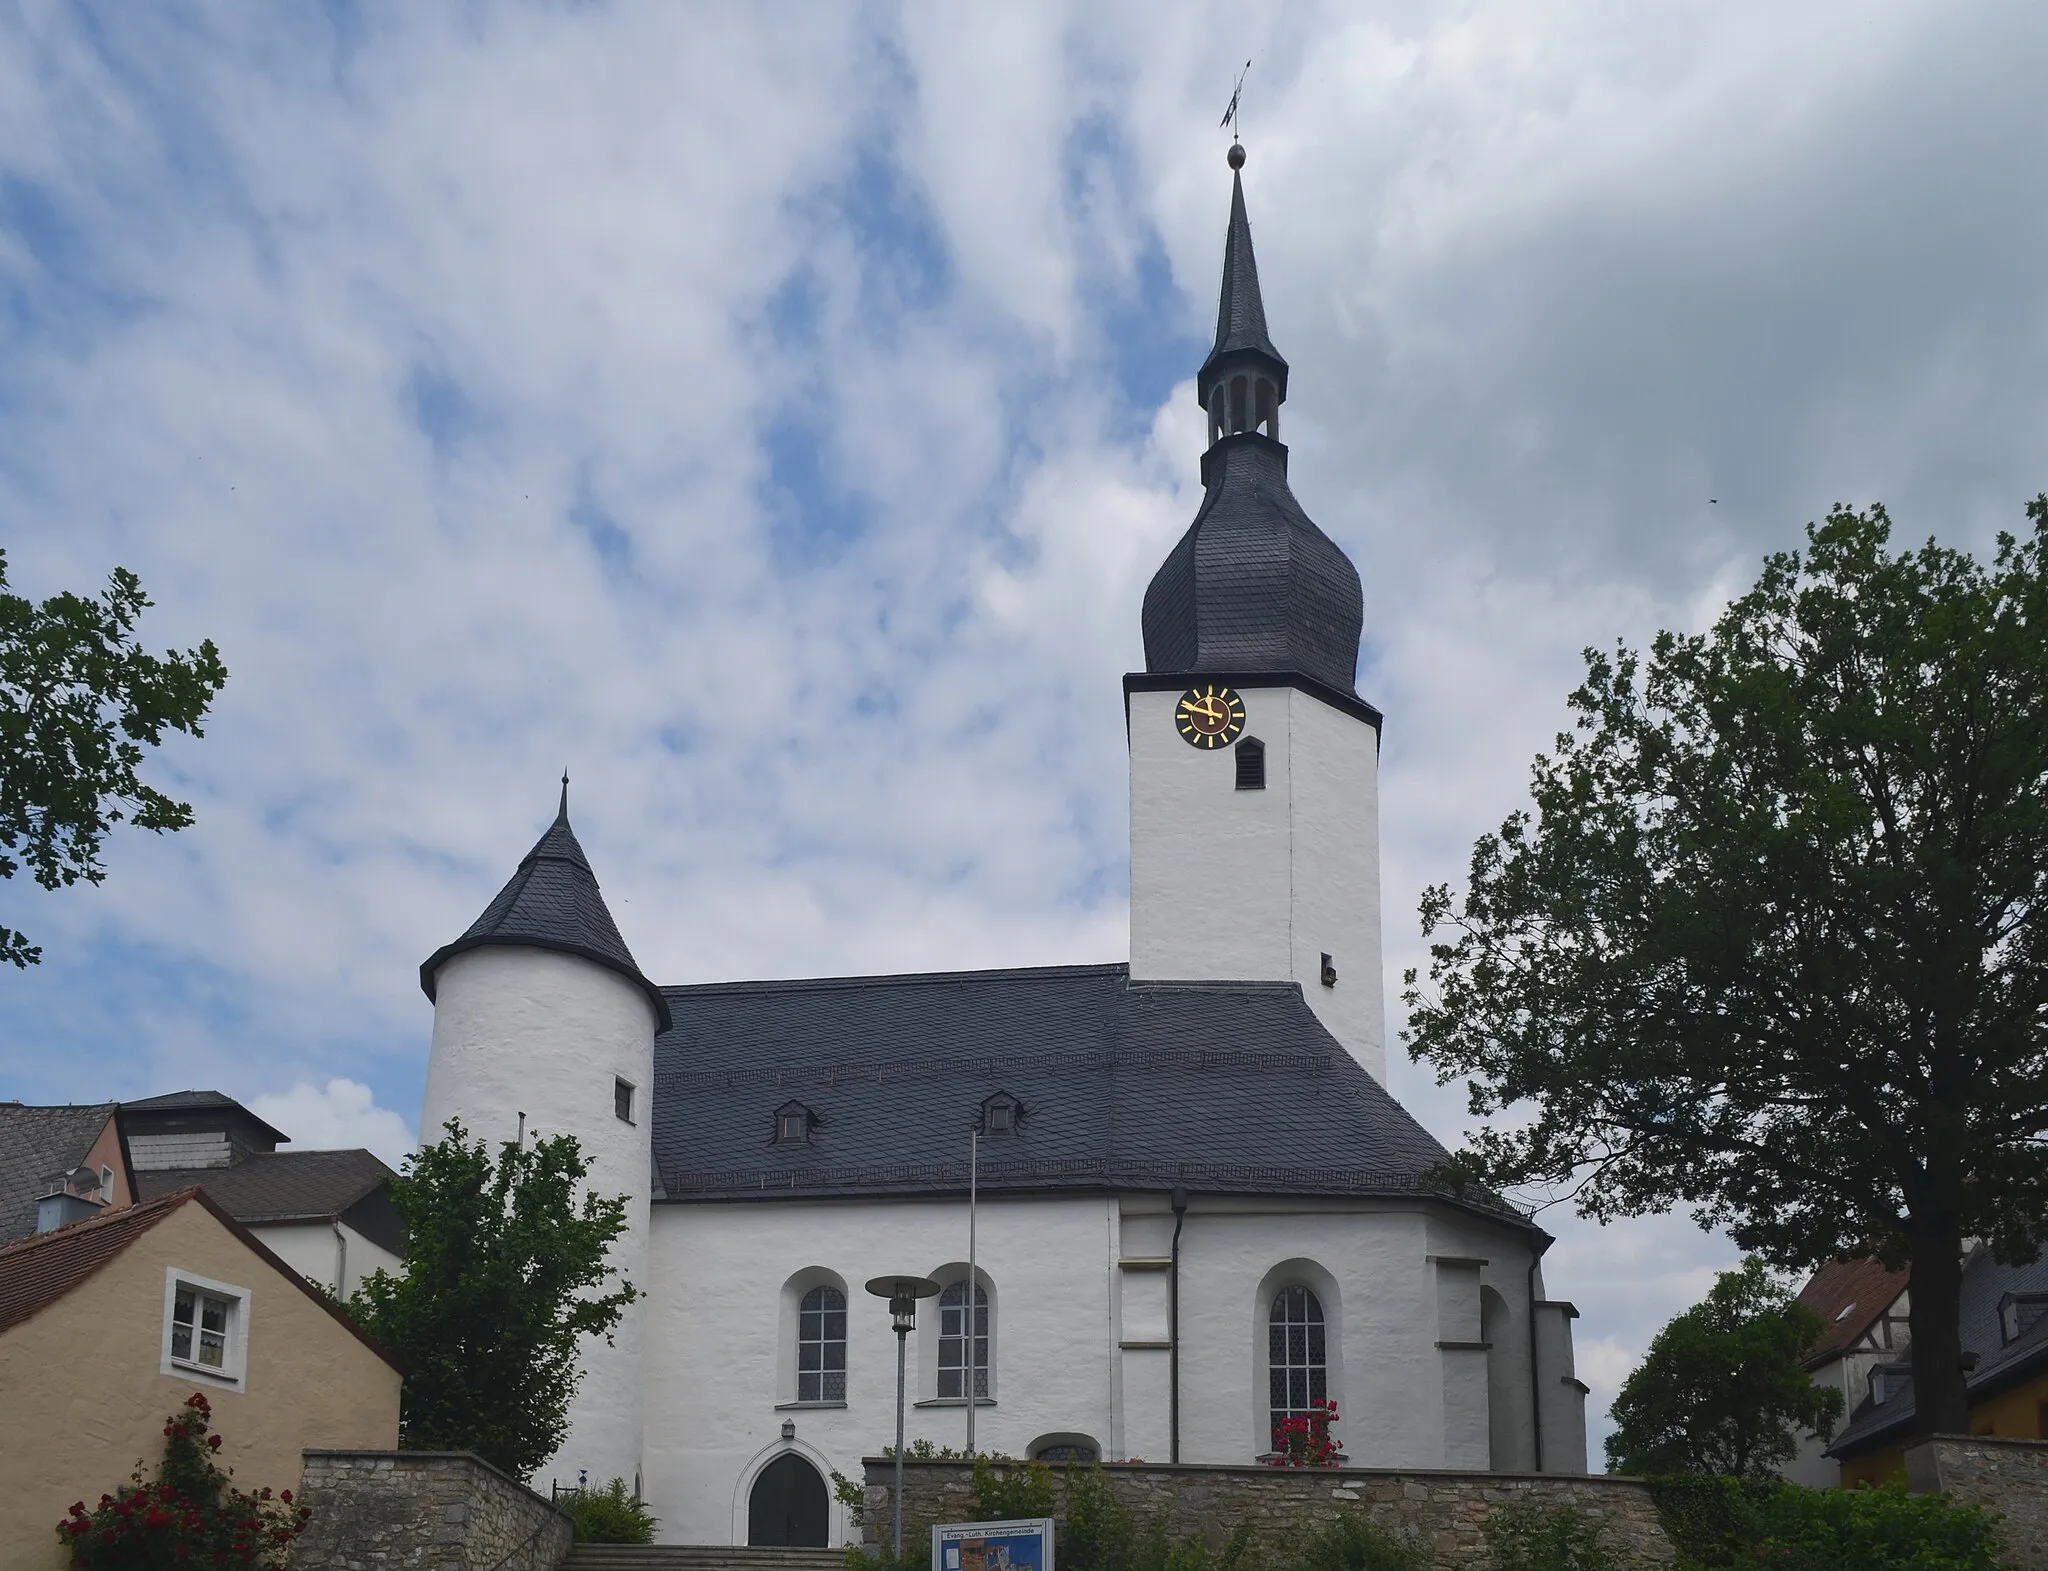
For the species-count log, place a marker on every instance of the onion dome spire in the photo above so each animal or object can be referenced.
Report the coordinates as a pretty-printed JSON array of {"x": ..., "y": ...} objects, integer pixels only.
[
  {"x": 552, "y": 902},
  {"x": 1253, "y": 586}
]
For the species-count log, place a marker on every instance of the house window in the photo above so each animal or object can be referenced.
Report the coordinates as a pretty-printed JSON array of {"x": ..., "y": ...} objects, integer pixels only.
[
  {"x": 821, "y": 1346},
  {"x": 1251, "y": 764},
  {"x": 622, "y": 1100},
  {"x": 1297, "y": 1368},
  {"x": 1000, "y": 1114},
  {"x": 954, "y": 1340},
  {"x": 2019, "y": 1313},
  {"x": 206, "y": 1328}
]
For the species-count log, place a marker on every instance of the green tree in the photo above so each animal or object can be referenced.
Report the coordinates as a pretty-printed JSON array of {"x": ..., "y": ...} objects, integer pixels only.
[
  {"x": 1771, "y": 942},
  {"x": 79, "y": 702},
  {"x": 505, "y": 1275},
  {"x": 1722, "y": 1388}
]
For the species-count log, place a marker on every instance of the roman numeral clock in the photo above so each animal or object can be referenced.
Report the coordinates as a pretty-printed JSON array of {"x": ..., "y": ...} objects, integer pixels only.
[{"x": 1210, "y": 716}]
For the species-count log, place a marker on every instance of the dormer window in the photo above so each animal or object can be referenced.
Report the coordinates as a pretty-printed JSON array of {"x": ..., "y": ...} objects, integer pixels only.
[
  {"x": 1001, "y": 1114},
  {"x": 793, "y": 1124},
  {"x": 2019, "y": 1313}
]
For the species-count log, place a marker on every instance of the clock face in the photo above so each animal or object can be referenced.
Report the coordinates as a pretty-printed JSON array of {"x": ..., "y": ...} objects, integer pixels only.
[{"x": 1209, "y": 716}]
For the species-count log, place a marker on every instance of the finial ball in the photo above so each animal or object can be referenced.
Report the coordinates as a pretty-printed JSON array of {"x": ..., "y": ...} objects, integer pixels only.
[{"x": 1236, "y": 155}]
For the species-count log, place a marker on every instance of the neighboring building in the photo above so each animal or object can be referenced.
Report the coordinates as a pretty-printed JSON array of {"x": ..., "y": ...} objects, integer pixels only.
[
  {"x": 108, "y": 1324},
  {"x": 1864, "y": 1308},
  {"x": 2004, "y": 1314},
  {"x": 1200, "y": 1209},
  {"x": 59, "y": 1165},
  {"x": 327, "y": 1212}
]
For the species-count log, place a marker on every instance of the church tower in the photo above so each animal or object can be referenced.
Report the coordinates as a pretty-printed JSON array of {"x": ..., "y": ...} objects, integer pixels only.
[
  {"x": 1254, "y": 762},
  {"x": 543, "y": 1025}
]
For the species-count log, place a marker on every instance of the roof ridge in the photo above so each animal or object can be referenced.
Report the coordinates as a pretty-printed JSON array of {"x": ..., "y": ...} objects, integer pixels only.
[
  {"x": 106, "y": 1216},
  {"x": 797, "y": 984}
]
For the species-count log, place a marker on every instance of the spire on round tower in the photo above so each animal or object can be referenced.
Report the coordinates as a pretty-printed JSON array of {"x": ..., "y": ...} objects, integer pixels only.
[
  {"x": 1254, "y": 585},
  {"x": 552, "y": 902}
]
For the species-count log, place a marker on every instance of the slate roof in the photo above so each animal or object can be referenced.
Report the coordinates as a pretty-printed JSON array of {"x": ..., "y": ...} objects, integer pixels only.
[
  {"x": 1254, "y": 585},
  {"x": 184, "y": 1111},
  {"x": 1240, "y": 307},
  {"x": 1848, "y": 1295},
  {"x": 34, "y": 1143},
  {"x": 552, "y": 902},
  {"x": 1227, "y": 1088},
  {"x": 279, "y": 1186},
  {"x": 2000, "y": 1365}
]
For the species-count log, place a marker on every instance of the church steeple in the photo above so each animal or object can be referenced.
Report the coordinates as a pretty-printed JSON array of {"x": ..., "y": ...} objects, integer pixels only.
[{"x": 1253, "y": 586}]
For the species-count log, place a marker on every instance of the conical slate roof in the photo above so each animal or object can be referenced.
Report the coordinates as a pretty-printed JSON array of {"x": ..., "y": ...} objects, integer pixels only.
[
  {"x": 1240, "y": 308},
  {"x": 553, "y": 902}
]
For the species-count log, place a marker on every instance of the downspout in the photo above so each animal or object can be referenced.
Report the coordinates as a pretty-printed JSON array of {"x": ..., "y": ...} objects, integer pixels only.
[
  {"x": 1180, "y": 1216},
  {"x": 1535, "y": 1385},
  {"x": 340, "y": 1260}
]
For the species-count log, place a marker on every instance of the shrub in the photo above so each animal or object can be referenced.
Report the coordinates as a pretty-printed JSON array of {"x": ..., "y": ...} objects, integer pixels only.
[
  {"x": 1009, "y": 1491},
  {"x": 1722, "y": 1524},
  {"x": 611, "y": 1515},
  {"x": 1305, "y": 1440},
  {"x": 1355, "y": 1543},
  {"x": 1524, "y": 1538},
  {"x": 191, "y": 1515}
]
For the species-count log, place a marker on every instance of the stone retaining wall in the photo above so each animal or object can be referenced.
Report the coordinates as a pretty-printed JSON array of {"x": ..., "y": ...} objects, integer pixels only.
[
  {"x": 2008, "y": 1476},
  {"x": 1444, "y": 1510},
  {"x": 423, "y": 1511}
]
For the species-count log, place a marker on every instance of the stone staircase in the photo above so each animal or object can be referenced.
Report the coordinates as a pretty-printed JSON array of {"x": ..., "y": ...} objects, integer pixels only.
[{"x": 699, "y": 1557}]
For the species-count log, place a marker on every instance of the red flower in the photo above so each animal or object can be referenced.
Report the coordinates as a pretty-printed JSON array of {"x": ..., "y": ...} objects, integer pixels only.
[
  {"x": 286, "y": 1496},
  {"x": 213, "y": 1442}
]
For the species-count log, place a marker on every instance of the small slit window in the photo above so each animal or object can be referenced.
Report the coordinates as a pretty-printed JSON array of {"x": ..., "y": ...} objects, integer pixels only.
[
  {"x": 622, "y": 1100},
  {"x": 792, "y": 1124},
  {"x": 1251, "y": 764}
]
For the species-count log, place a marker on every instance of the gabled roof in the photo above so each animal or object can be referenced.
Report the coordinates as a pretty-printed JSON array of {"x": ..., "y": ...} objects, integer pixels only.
[
  {"x": 2000, "y": 1364},
  {"x": 1848, "y": 1296},
  {"x": 279, "y": 1186},
  {"x": 38, "y": 1271},
  {"x": 552, "y": 902},
  {"x": 34, "y": 1143},
  {"x": 1227, "y": 1088}
]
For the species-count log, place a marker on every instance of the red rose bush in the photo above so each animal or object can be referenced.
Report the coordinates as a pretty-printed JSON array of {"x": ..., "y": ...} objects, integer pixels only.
[{"x": 191, "y": 1518}]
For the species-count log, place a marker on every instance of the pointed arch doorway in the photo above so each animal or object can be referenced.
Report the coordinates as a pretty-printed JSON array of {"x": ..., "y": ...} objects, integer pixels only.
[{"x": 789, "y": 1506}]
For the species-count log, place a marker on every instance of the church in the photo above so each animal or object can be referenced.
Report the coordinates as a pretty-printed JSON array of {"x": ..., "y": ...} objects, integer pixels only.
[{"x": 1199, "y": 1211}]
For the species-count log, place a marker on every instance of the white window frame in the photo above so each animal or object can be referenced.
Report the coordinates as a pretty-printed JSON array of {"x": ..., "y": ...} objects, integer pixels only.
[{"x": 233, "y": 1375}]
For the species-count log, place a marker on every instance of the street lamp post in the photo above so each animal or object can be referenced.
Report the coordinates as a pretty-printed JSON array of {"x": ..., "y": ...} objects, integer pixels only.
[{"x": 903, "y": 1292}]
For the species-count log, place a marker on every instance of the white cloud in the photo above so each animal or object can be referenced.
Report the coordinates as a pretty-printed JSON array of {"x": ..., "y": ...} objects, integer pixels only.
[{"x": 342, "y": 1115}]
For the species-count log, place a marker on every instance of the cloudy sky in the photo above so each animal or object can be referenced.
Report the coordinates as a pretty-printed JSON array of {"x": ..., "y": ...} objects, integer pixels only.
[{"x": 773, "y": 414}]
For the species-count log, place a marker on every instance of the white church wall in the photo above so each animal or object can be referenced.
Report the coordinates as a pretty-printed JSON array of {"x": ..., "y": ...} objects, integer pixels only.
[
  {"x": 1259, "y": 885},
  {"x": 547, "y": 1034},
  {"x": 716, "y": 1343}
]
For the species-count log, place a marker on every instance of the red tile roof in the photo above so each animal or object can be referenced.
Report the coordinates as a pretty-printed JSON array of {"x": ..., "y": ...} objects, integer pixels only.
[
  {"x": 38, "y": 1271},
  {"x": 1848, "y": 1295}
]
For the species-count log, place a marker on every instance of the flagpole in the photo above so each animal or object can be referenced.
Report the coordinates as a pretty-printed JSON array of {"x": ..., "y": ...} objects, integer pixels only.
[{"x": 973, "y": 1282}]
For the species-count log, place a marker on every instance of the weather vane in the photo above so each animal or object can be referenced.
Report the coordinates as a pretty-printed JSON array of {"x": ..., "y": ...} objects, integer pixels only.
[{"x": 1229, "y": 121}]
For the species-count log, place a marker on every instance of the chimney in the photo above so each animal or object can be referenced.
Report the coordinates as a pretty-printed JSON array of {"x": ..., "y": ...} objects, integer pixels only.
[{"x": 67, "y": 1198}]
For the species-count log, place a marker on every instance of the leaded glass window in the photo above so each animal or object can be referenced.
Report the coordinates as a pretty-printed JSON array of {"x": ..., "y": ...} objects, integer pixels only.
[
  {"x": 821, "y": 1346},
  {"x": 954, "y": 1340},
  {"x": 1298, "y": 1372}
]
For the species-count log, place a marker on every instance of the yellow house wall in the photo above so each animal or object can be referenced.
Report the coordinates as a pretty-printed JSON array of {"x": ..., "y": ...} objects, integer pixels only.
[
  {"x": 84, "y": 1396},
  {"x": 2014, "y": 1414}
]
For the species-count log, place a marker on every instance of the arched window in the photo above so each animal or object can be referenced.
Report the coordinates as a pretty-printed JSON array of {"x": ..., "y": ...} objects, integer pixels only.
[
  {"x": 955, "y": 1337},
  {"x": 1266, "y": 411},
  {"x": 821, "y": 1346},
  {"x": 1216, "y": 414},
  {"x": 1297, "y": 1365},
  {"x": 1240, "y": 397},
  {"x": 1251, "y": 764}
]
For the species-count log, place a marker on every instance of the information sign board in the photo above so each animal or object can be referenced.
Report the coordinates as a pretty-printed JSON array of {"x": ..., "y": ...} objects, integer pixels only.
[{"x": 993, "y": 1546}]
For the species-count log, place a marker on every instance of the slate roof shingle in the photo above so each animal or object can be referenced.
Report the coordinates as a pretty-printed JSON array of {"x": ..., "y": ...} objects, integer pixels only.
[
  {"x": 1227, "y": 1088},
  {"x": 278, "y": 1186},
  {"x": 2000, "y": 1364},
  {"x": 552, "y": 902},
  {"x": 34, "y": 1143}
]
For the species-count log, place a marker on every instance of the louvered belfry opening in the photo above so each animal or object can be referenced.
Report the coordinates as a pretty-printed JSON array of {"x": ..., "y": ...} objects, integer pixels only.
[{"x": 1251, "y": 764}]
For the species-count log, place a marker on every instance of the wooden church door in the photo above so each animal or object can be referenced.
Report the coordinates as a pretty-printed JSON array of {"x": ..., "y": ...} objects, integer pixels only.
[{"x": 789, "y": 1505}]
